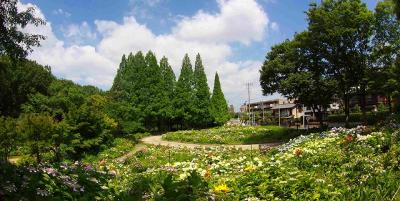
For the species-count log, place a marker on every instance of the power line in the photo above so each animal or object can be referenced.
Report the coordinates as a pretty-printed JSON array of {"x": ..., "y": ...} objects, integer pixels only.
[{"x": 248, "y": 84}]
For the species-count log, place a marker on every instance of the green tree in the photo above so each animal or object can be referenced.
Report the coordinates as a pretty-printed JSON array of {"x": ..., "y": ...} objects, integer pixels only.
[
  {"x": 152, "y": 92},
  {"x": 202, "y": 116},
  {"x": 37, "y": 129},
  {"x": 8, "y": 137},
  {"x": 296, "y": 70},
  {"x": 219, "y": 107},
  {"x": 183, "y": 98},
  {"x": 343, "y": 29},
  {"x": 386, "y": 47},
  {"x": 90, "y": 128},
  {"x": 18, "y": 81},
  {"x": 124, "y": 107},
  {"x": 13, "y": 42},
  {"x": 168, "y": 88},
  {"x": 118, "y": 89}
]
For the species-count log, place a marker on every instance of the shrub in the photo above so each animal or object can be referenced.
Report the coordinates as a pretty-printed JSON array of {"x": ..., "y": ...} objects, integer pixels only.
[
  {"x": 8, "y": 137},
  {"x": 371, "y": 117},
  {"x": 37, "y": 130}
]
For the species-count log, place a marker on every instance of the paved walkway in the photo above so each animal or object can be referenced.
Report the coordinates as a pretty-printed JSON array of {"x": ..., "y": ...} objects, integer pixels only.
[{"x": 156, "y": 140}]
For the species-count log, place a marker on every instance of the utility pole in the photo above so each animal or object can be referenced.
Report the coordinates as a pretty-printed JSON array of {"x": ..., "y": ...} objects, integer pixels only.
[{"x": 248, "y": 96}]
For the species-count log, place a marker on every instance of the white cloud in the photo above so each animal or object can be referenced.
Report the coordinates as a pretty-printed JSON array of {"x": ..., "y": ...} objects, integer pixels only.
[
  {"x": 242, "y": 21},
  {"x": 238, "y": 20},
  {"x": 79, "y": 33},
  {"x": 274, "y": 26},
  {"x": 61, "y": 12}
]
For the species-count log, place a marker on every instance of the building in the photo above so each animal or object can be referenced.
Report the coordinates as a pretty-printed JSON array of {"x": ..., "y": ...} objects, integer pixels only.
[
  {"x": 262, "y": 105},
  {"x": 371, "y": 101},
  {"x": 283, "y": 110}
]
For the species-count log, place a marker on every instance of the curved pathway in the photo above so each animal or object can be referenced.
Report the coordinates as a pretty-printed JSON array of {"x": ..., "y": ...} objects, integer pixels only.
[{"x": 156, "y": 140}]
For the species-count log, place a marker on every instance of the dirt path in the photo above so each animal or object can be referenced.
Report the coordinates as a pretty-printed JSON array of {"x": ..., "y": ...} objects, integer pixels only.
[
  {"x": 137, "y": 148},
  {"x": 156, "y": 140}
]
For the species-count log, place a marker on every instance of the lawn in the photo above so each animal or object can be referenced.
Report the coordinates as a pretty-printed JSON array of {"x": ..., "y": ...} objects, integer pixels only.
[{"x": 235, "y": 135}]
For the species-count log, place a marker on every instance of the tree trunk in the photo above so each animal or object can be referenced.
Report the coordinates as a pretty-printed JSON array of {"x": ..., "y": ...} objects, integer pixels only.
[
  {"x": 389, "y": 103},
  {"x": 347, "y": 109},
  {"x": 38, "y": 159},
  {"x": 363, "y": 106}
]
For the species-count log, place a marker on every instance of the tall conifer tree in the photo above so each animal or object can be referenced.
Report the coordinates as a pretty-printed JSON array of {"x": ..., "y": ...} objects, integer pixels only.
[
  {"x": 183, "y": 99},
  {"x": 168, "y": 86},
  {"x": 151, "y": 91},
  {"x": 117, "y": 89},
  {"x": 219, "y": 107},
  {"x": 202, "y": 95}
]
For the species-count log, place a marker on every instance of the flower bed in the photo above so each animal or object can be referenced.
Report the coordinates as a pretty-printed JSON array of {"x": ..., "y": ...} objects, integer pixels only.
[
  {"x": 234, "y": 135},
  {"x": 340, "y": 165}
]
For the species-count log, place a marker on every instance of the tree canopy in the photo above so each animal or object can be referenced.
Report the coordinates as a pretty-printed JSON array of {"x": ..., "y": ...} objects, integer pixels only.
[
  {"x": 14, "y": 42},
  {"x": 346, "y": 51}
]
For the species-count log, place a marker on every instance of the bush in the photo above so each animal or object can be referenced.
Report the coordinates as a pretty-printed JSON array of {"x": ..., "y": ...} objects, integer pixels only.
[
  {"x": 371, "y": 117},
  {"x": 52, "y": 182},
  {"x": 38, "y": 131},
  {"x": 8, "y": 137}
]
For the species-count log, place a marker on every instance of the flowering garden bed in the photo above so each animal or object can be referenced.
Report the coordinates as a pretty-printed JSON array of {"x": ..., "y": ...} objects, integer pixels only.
[
  {"x": 235, "y": 135},
  {"x": 342, "y": 164}
]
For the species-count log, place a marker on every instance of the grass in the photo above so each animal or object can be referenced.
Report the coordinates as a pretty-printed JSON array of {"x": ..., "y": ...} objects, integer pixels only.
[{"x": 235, "y": 135}]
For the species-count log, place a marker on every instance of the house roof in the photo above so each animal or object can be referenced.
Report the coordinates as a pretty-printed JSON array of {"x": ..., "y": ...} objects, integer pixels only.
[{"x": 284, "y": 106}]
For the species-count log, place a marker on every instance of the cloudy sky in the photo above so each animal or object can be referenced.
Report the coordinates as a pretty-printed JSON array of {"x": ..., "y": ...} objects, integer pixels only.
[{"x": 86, "y": 39}]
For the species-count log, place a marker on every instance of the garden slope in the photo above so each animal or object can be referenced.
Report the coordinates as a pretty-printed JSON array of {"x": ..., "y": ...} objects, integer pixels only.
[
  {"x": 157, "y": 140},
  {"x": 235, "y": 135}
]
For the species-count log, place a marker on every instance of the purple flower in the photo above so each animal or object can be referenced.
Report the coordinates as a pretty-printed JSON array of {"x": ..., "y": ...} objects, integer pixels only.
[
  {"x": 88, "y": 168},
  {"x": 51, "y": 171}
]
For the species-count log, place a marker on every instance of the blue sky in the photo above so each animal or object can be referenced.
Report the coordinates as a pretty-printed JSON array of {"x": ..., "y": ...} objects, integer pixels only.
[{"x": 86, "y": 39}]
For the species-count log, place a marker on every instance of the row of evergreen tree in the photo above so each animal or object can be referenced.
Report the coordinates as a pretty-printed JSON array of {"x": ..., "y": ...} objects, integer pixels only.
[{"x": 147, "y": 96}]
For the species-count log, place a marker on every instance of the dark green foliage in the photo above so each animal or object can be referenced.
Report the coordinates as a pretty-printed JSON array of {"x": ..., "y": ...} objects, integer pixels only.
[
  {"x": 202, "y": 115},
  {"x": 397, "y": 8},
  {"x": 152, "y": 92},
  {"x": 80, "y": 122},
  {"x": 146, "y": 96},
  {"x": 371, "y": 117},
  {"x": 343, "y": 29},
  {"x": 346, "y": 51},
  {"x": 91, "y": 129},
  {"x": 169, "y": 80},
  {"x": 37, "y": 130},
  {"x": 295, "y": 69},
  {"x": 18, "y": 81},
  {"x": 13, "y": 42},
  {"x": 126, "y": 103},
  {"x": 386, "y": 47},
  {"x": 219, "y": 107},
  {"x": 118, "y": 84},
  {"x": 8, "y": 137},
  {"x": 183, "y": 98}
]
